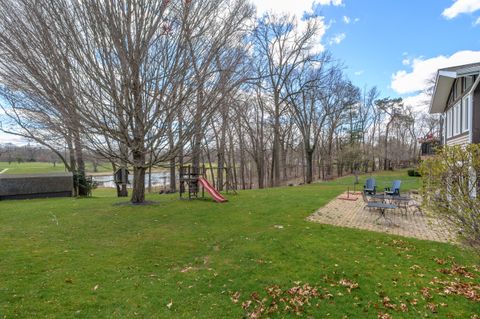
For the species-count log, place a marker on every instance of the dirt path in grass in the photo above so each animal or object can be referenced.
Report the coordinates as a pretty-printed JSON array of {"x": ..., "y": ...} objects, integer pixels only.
[
  {"x": 6, "y": 169},
  {"x": 353, "y": 214}
]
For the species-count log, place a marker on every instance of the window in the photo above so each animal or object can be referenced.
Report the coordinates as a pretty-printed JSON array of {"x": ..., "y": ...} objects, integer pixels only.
[
  {"x": 449, "y": 123},
  {"x": 466, "y": 114},
  {"x": 454, "y": 90},
  {"x": 468, "y": 81},
  {"x": 457, "y": 118},
  {"x": 459, "y": 114}
]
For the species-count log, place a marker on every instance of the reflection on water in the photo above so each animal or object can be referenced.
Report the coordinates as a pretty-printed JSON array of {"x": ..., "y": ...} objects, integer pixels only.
[{"x": 107, "y": 181}]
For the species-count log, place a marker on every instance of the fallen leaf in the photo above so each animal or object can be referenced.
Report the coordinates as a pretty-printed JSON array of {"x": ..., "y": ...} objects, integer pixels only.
[
  {"x": 382, "y": 315},
  {"x": 186, "y": 269},
  {"x": 235, "y": 297},
  {"x": 432, "y": 307}
]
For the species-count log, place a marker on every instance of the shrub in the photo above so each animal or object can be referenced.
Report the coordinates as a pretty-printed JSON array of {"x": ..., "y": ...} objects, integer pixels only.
[
  {"x": 84, "y": 185},
  {"x": 414, "y": 173},
  {"x": 450, "y": 182}
]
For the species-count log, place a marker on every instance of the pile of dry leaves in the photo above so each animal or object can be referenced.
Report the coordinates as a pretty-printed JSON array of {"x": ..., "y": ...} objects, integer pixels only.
[{"x": 292, "y": 300}]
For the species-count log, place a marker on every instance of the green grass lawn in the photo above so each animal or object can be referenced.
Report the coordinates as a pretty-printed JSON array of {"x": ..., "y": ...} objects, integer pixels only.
[{"x": 93, "y": 258}]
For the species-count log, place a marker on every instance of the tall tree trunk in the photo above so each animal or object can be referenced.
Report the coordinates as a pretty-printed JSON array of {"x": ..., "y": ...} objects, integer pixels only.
[
  {"x": 138, "y": 193},
  {"x": 149, "y": 179},
  {"x": 210, "y": 164},
  {"x": 242, "y": 157},
  {"x": 232, "y": 173},
  {"x": 329, "y": 170},
  {"x": 385, "y": 145},
  {"x": 276, "y": 156},
  {"x": 309, "y": 160},
  {"x": 260, "y": 173},
  {"x": 82, "y": 189},
  {"x": 72, "y": 160},
  {"x": 221, "y": 157},
  {"x": 173, "y": 176},
  {"x": 198, "y": 133},
  {"x": 171, "y": 141},
  {"x": 180, "y": 133}
]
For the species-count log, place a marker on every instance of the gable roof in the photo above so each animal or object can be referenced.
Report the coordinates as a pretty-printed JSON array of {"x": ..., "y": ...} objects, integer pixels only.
[{"x": 444, "y": 82}]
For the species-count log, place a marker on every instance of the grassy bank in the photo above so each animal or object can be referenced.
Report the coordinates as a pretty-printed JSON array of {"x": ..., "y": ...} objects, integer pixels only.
[{"x": 94, "y": 258}]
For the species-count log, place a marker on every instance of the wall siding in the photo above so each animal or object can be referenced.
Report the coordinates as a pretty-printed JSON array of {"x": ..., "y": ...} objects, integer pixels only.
[
  {"x": 459, "y": 140},
  {"x": 476, "y": 116}
]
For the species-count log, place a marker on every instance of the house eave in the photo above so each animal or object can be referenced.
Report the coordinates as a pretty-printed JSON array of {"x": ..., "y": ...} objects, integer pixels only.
[{"x": 443, "y": 84}]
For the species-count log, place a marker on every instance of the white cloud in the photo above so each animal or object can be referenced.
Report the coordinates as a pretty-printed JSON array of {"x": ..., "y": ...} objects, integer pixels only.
[
  {"x": 7, "y": 138},
  {"x": 419, "y": 102},
  {"x": 337, "y": 39},
  {"x": 422, "y": 70},
  {"x": 406, "y": 61},
  {"x": 348, "y": 20},
  {"x": 297, "y": 7},
  {"x": 358, "y": 73},
  {"x": 477, "y": 22},
  {"x": 412, "y": 83},
  {"x": 461, "y": 6},
  {"x": 320, "y": 22}
]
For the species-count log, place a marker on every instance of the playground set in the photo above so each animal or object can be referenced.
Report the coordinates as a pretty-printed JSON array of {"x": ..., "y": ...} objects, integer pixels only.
[{"x": 193, "y": 184}]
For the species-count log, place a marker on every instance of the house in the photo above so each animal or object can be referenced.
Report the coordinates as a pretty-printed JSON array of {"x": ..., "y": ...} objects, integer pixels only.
[{"x": 457, "y": 98}]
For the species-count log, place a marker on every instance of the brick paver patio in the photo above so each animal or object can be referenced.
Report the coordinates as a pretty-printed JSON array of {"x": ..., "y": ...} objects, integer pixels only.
[{"x": 352, "y": 214}]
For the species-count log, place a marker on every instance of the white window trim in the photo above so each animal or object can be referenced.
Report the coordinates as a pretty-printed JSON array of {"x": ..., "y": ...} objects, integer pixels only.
[
  {"x": 449, "y": 123},
  {"x": 458, "y": 118},
  {"x": 466, "y": 113}
]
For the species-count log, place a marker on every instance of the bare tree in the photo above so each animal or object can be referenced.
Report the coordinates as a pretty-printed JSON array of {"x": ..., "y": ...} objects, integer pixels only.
[
  {"x": 393, "y": 109},
  {"x": 281, "y": 46},
  {"x": 35, "y": 62},
  {"x": 305, "y": 90}
]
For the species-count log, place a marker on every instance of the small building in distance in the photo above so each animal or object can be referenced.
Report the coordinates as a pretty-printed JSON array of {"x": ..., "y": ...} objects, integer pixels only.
[
  {"x": 29, "y": 186},
  {"x": 429, "y": 145}
]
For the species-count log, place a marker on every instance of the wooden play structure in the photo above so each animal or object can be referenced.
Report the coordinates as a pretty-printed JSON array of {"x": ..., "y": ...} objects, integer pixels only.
[{"x": 193, "y": 182}]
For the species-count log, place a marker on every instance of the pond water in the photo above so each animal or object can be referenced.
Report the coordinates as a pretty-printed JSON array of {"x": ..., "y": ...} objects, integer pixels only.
[{"x": 107, "y": 181}]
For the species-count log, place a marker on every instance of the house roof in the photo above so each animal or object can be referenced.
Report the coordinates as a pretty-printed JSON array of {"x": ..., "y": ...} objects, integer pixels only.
[{"x": 444, "y": 81}]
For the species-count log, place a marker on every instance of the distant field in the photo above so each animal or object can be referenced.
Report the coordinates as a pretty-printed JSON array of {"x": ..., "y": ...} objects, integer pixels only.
[{"x": 43, "y": 168}]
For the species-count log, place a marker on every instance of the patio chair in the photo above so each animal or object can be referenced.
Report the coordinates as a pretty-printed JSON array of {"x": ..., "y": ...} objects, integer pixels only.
[
  {"x": 370, "y": 186},
  {"x": 369, "y": 200},
  {"x": 395, "y": 189}
]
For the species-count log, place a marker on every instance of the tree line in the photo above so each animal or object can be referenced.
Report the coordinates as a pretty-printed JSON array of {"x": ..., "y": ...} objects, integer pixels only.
[{"x": 145, "y": 83}]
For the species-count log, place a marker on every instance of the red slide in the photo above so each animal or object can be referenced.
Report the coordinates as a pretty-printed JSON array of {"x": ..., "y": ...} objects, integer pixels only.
[{"x": 212, "y": 191}]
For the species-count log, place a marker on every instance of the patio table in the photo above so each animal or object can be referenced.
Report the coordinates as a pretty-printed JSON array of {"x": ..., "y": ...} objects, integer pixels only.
[
  {"x": 382, "y": 207},
  {"x": 401, "y": 201},
  {"x": 380, "y": 196}
]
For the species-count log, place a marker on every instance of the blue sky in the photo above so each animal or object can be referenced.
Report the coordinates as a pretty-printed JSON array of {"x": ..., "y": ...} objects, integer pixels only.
[
  {"x": 390, "y": 33},
  {"x": 395, "y": 45}
]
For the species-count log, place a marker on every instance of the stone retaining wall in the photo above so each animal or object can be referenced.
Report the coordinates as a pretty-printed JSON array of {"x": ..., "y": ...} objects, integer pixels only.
[{"x": 36, "y": 186}]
